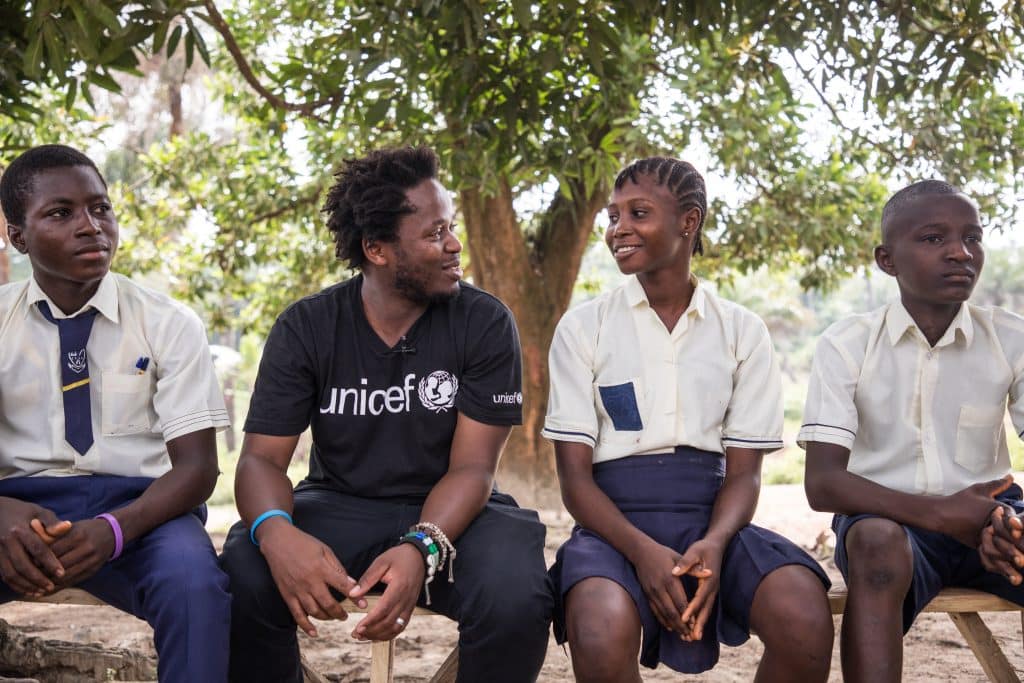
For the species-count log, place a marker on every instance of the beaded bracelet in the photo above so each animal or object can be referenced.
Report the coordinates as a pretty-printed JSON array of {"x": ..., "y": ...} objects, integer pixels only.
[
  {"x": 447, "y": 549},
  {"x": 431, "y": 556}
]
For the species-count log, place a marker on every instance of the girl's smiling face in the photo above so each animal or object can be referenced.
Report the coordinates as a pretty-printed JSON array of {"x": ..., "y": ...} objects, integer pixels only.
[{"x": 646, "y": 227}]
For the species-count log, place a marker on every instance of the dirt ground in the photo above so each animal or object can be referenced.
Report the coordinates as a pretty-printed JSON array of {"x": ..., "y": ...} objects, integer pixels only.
[{"x": 934, "y": 649}]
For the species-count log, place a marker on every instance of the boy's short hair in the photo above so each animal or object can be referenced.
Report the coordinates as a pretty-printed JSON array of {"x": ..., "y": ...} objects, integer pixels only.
[
  {"x": 368, "y": 197},
  {"x": 18, "y": 179},
  {"x": 910, "y": 193}
]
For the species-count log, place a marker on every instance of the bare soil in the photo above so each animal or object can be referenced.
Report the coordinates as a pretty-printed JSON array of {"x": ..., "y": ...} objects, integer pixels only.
[{"x": 934, "y": 650}]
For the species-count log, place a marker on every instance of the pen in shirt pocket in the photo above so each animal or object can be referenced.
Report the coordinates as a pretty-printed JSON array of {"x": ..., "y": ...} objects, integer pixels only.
[{"x": 141, "y": 364}]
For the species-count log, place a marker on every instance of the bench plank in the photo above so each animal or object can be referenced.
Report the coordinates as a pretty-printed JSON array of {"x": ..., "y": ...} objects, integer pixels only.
[{"x": 949, "y": 600}]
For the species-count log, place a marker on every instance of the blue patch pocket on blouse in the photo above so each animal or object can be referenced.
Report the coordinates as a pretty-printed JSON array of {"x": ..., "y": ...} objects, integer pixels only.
[{"x": 620, "y": 402}]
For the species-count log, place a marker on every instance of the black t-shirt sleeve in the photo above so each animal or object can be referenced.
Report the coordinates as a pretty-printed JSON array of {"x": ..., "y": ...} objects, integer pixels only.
[
  {"x": 491, "y": 388},
  {"x": 286, "y": 385}
]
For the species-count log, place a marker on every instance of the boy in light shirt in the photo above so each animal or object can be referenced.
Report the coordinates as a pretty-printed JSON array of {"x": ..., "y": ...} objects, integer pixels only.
[
  {"x": 108, "y": 409},
  {"x": 904, "y": 432}
]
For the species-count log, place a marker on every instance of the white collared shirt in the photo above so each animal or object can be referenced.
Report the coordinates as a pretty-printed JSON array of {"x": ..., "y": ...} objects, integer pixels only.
[
  {"x": 133, "y": 413},
  {"x": 919, "y": 419},
  {"x": 625, "y": 385}
]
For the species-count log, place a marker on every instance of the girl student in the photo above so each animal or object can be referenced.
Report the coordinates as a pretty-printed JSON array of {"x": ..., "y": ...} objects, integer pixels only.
[{"x": 664, "y": 398}]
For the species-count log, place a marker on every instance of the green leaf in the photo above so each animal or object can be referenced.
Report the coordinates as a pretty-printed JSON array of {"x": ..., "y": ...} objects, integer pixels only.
[
  {"x": 104, "y": 14},
  {"x": 190, "y": 46},
  {"x": 69, "y": 96},
  {"x": 523, "y": 15},
  {"x": 377, "y": 111},
  {"x": 33, "y": 56},
  {"x": 172, "y": 44},
  {"x": 197, "y": 37},
  {"x": 104, "y": 81},
  {"x": 159, "y": 36}
]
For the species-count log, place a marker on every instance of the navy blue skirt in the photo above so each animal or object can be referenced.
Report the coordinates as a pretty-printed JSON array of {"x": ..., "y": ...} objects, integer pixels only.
[{"x": 669, "y": 497}]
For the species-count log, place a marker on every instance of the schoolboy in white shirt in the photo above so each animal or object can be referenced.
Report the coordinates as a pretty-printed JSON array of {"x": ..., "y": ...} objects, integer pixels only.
[
  {"x": 108, "y": 409},
  {"x": 904, "y": 432}
]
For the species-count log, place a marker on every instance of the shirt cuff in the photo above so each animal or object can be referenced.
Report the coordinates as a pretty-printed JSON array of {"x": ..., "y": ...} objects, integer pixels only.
[
  {"x": 840, "y": 436},
  {"x": 193, "y": 422},
  {"x": 569, "y": 433},
  {"x": 764, "y": 443}
]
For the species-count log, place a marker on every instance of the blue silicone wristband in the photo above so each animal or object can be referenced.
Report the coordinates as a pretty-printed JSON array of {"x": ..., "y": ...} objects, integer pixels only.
[{"x": 264, "y": 517}]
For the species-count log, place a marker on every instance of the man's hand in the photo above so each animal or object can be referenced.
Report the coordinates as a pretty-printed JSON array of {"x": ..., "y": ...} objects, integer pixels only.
[
  {"x": 305, "y": 570},
  {"x": 965, "y": 513},
  {"x": 83, "y": 549},
  {"x": 27, "y": 563},
  {"x": 656, "y": 570},
  {"x": 403, "y": 570}
]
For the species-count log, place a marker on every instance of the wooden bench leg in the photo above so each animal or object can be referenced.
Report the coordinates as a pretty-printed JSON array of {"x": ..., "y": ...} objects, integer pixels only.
[
  {"x": 382, "y": 661},
  {"x": 449, "y": 670},
  {"x": 985, "y": 647}
]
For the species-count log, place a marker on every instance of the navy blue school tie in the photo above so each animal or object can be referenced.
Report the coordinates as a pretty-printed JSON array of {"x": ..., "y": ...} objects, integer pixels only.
[{"x": 74, "y": 375}]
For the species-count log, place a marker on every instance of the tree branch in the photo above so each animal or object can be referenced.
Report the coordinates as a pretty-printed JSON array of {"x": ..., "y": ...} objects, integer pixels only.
[
  {"x": 216, "y": 20},
  {"x": 281, "y": 210},
  {"x": 856, "y": 133}
]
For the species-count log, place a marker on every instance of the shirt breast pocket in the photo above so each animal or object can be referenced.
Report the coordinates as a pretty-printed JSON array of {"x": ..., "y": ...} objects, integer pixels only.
[
  {"x": 125, "y": 404},
  {"x": 978, "y": 434},
  {"x": 621, "y": 404}
]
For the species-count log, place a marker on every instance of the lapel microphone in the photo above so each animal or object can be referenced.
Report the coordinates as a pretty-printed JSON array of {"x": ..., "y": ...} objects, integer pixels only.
[{"x": 403, "y": 346}]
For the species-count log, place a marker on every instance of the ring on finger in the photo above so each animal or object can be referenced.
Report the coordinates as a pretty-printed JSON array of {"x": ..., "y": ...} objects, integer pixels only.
[{"x": 400, "y": 621}]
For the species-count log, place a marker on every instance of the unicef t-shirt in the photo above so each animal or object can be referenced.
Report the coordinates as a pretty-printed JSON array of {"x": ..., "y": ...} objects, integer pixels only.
[{"x": 383, "y": 417}]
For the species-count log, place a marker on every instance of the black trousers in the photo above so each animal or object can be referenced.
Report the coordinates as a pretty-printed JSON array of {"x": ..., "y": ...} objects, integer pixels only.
[{"x": 501, "y": 598}]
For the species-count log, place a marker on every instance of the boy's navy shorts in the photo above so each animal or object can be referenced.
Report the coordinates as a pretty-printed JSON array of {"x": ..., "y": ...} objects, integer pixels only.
[{"x": 939, "y": 562}]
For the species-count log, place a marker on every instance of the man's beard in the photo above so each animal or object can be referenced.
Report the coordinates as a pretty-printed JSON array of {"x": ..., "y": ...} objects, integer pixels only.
[{"x": 412, "y": 284}]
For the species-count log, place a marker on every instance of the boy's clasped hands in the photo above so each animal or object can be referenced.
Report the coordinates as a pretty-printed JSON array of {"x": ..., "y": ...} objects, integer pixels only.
[
  {"x": 1001, "y": 546},
  {"x": 39, "y": 558}
]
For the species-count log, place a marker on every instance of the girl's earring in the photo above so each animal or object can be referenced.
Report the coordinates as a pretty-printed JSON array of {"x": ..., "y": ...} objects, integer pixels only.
[{"x": 686, "y": 234}]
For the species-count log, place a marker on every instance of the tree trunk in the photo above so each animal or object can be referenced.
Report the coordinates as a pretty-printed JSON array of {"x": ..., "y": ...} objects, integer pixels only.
[
  {"x": 174, "y": 105},
  {"x": 536, "y": 283}
]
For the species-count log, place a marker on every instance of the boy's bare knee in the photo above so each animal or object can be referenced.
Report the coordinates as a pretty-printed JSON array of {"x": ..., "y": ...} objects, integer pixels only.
[{"x": 879, "y": 555}]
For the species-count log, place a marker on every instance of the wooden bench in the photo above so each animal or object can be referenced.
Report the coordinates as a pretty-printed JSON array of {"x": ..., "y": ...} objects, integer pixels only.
[
  {"x": 963, "y": 605},
  {"x": 382, "y": 653}
]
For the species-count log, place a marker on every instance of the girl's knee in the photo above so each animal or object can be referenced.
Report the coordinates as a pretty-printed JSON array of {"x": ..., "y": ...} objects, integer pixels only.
[
  {"x": 603, "y": 627},
  {"x": 791, "y": 604}
]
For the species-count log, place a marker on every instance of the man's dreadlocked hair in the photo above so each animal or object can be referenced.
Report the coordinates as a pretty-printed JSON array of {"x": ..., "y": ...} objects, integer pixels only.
[
  {"x": 681, "y": 179},
  {"x": 368, "y": 199}
]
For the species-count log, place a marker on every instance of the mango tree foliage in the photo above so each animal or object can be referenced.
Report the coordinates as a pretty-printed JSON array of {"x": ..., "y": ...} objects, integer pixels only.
[
  {"x": 76, "y": 45},
  {"x": 812, "y": 111}
]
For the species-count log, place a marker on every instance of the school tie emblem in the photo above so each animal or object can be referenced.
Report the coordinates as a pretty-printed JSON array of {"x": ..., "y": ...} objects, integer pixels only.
[{"x": 74, "y": 374}]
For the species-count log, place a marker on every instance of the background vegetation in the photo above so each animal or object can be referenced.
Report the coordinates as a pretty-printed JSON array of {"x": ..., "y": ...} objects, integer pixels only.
[{"x": 219, "y": 124}]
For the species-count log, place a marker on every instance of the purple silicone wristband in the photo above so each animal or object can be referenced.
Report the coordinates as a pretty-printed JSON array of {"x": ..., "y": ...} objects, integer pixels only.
[{"x": 118, "y": 536}]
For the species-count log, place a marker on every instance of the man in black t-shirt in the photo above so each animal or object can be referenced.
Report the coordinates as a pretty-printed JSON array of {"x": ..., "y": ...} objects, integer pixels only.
[{"x": 411, "y": 381}]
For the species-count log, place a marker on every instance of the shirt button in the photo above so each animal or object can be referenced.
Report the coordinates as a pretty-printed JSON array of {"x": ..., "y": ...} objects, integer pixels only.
[{"x": 929, "y": 355}]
